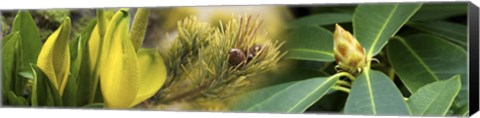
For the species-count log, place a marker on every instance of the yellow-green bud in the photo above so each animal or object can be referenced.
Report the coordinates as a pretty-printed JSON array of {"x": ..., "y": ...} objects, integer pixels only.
[{"x": 348, "y": 53}]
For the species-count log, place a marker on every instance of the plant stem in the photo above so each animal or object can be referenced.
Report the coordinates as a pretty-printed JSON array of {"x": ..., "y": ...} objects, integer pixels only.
[
  {"x": 101, "y": 21},
  {"x": 341, "y": 82},
  {"x": 391, "y": 74},
  {"x": 325, "y": 67},
  {"x": 340, "y": 88},
  {"x": 348, "y": 75}
]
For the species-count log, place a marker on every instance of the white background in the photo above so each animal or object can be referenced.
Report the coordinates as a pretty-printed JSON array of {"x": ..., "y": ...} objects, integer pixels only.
[{"x": 81, "y": 113}]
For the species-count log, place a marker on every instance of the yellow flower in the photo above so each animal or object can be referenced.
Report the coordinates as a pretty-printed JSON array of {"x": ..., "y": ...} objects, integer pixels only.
[
  {"x": 54, "y": 58},
  {"x": 127, "y": 76},
  {"x": 348, "y": 53}
]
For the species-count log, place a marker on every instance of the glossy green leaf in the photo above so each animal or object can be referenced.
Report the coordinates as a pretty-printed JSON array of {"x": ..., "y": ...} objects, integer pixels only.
[
  {"x": 452, "y": 31},
  {"x": 435, "y": 99},
  {"x": 290, "y": 97},
  {"x": 422, "y": 59},
  {"x": 310, "y": 43},
  {"x": 374, "y": 24},
  {"x": 31, "y": 42},
  {"x": 44, "y": 92},
  {"x": 434, "y": 11},
  {"x": 322, "y": 19},
  {"x": 373, "y": 93}
]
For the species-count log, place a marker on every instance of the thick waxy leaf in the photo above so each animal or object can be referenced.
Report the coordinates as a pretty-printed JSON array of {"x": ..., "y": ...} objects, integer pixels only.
[
  {"x": 322, "y": 19},
  {"x": 435, "y": 99},
  {"x": 44, "y": 92},
  {"x": 311, "y": 43},
  {"x": 54, "y": 58},
  {"x": 31, "y": 43},
  {"x": 440, "y": 11},
  {"x": 452, "y": 31},
  {"x": 119, "y": 71},
  {"x": 374, "y": 24},
  {"x": 373, "y": 93},
  {"x": 152, "y": 74},
  {"x": 421, "y": 59},
  {"x": 291, "y": 97}
]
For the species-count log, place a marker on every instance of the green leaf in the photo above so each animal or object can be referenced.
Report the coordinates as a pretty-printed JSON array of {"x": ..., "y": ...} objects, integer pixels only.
[
  {"x": 452, "y": 31},
  {"x": 80, "y": 48},
  {"x": 8, "y": 62},
  {"x": 311, "y": 43},
  {"x": 31, "y": 42},
  {"x": 26, "y": 74},
  {"x": 374, "y": 24},
  {"x": 94, "y": 105},
  {"x": 6, "y": 38},
  {"x": 462, "y": 111},
  {"x": 81, "y": 67},
  {"x": 69, "y": 96},
  {"x": 440, "y": 11},
  {"x": 422, "y": 59},
  {"x": 373, "y": 93},
  {"x": 435, "y": 99},
  {"x": 322, "y": 19},
  {"x": 290, "y": 97},
  {"x": 15, "y": 100},
  {"x": 44, "y": 92}
]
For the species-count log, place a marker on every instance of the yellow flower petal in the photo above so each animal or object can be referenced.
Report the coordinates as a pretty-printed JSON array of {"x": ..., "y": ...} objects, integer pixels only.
[
  {"x": 93, "y": 46},
  {"x": 119, "y": 71},
  {"x": 152, "y": 74},
  {"x": 54, "y": 58}
]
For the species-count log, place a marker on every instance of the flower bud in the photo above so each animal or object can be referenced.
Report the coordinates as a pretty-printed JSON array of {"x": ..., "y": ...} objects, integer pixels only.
[
  {"x": 236, "y": 57},
  {"x": 348, "y": 53}
]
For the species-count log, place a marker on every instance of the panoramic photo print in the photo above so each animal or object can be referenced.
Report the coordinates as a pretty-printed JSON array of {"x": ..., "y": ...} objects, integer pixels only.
[{"x": 407, "y": 59}]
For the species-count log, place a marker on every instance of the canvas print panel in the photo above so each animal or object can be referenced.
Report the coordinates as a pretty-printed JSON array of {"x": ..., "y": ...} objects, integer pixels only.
[{"x": 360, "y": 59}]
